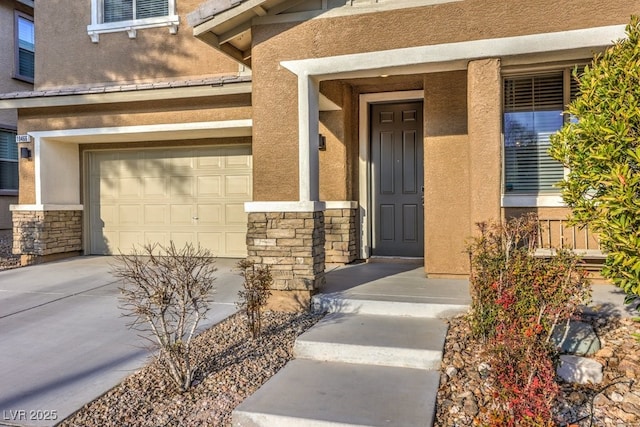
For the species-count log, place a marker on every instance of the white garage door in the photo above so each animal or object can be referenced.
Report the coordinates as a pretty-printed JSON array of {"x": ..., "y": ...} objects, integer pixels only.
[{"x": 156, "y": 195}]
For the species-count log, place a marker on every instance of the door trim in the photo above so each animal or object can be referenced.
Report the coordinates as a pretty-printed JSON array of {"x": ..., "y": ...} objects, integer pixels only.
[{"x": 364, "y": 175}]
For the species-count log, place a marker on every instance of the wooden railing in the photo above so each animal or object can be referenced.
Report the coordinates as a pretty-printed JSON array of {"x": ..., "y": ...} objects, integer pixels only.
[{"x": 555, "y": 233}]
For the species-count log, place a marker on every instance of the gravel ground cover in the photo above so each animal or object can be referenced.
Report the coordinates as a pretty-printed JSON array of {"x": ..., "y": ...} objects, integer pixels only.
[
  {"x": 232, "y": 367},
  {"x": 614, "y": 403}
]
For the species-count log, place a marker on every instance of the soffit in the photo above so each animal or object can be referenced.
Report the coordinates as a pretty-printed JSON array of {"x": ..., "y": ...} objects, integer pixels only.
[{"x": 226, "y": 24}]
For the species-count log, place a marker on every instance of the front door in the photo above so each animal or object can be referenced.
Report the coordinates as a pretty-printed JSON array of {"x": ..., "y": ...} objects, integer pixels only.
[{"x": 397, "y": 179}]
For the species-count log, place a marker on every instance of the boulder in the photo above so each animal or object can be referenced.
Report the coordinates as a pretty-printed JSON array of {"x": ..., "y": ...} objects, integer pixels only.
[
  {"x": 580, "y": 370},
  {"x": 581, "y": 339}
]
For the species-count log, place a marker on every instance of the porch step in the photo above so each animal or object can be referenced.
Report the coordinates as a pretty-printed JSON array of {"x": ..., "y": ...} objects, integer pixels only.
[
  {"x": 376, "y": 340},
  {"x": 388, "y": 305},
  {"x": 314, "y": 393}
]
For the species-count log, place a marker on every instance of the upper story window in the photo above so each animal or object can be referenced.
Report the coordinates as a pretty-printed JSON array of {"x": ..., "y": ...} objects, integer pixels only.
[
  {"x": 533, "y": 111},
  {"x": 8, "y": 161},
  {"x": 25, "y": 47},
  {"x": 108, "y": 16}
]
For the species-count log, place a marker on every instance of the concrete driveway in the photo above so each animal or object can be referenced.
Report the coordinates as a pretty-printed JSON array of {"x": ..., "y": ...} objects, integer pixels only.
[{"x": 63, "y": 341}]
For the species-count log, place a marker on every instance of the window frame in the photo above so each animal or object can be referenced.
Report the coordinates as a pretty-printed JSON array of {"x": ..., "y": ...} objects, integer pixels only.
[
  {"x": 16, "y": 51},
  {"x": 98, "y": 27},
  {"x": 512, "y": 200},
  {"x": 8, "y": 191}
]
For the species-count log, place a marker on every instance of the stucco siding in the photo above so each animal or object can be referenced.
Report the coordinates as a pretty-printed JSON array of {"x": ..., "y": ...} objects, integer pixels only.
[
  {"x": 7, "y": 58},
  {"x": 154, "y": 54},
  {"x": 447, "y": 175}
]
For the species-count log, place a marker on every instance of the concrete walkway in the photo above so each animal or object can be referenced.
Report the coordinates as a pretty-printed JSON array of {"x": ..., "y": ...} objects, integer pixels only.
[
  {"x": 373, "y": 361},
  {"x": 63, "y": 341}
]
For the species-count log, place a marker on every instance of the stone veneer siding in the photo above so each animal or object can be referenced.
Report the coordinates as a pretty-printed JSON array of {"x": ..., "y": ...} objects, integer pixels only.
[
  {"x": 340, "y": 235},
  {"x": 292, "y": 245},
  {"x": 43, "y": 233}
]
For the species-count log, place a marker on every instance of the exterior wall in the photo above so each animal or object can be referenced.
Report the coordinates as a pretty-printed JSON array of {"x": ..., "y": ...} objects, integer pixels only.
[
  {"x": 7, "y": 58},
  {"x": 46, "y": 235},
  {"x": 9, "y": 118},
  {"x": 274, "y": 87},
  {"x": 447, "y": 174},
  {"x": 158, "y": 55},
  {"x": 131, "y": 114},
  {"x": 462, "y": 109}
]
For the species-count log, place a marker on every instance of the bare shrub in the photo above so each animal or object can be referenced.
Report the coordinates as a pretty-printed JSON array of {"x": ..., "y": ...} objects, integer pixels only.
[
  {"x": 166, "y": 292},
  {"x": 257, "y": 289}
]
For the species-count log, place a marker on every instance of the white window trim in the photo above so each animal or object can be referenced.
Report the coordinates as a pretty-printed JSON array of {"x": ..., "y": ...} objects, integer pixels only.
[{"x": 97, "y": 27}]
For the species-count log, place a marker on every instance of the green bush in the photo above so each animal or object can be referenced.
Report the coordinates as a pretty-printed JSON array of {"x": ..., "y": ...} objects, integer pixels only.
[
  {"x": 601, "y": 148},
  {"x": 517, "y": 301}
]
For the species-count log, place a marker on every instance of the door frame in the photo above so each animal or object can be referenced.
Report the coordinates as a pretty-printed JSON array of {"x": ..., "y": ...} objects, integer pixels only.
[{"x": 364, "y": 160}]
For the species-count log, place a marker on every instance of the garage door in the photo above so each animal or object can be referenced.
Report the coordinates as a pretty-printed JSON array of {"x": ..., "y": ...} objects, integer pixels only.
[{"x": 156, "y": 195}]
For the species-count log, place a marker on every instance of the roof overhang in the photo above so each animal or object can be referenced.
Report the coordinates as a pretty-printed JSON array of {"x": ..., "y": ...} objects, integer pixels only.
[
  {"x": 226, "y": 24},
  {"x": 64, "y": 100}
]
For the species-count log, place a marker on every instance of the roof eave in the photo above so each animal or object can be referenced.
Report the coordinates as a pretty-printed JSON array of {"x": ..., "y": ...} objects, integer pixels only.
[{"x": 64, "y": 100}]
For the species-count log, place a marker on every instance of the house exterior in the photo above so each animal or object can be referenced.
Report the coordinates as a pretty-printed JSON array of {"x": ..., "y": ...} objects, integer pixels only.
[
  {"x": 299, "y": 133},
  {"x": 16, "y": 74}
]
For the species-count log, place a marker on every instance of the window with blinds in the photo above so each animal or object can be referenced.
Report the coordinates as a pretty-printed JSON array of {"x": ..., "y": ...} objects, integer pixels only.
[
  {"x": 127, "y": 10},
  {"x": 8, "y": 161},
  {"x": 25, "y": 47},
  {"x": 533, "y": 107}
]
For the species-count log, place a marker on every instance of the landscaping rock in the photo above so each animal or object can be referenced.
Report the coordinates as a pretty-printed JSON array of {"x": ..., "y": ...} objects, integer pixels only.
[
  {"x": 580, "y": 370},
  {"x": 581, "y": 339}
]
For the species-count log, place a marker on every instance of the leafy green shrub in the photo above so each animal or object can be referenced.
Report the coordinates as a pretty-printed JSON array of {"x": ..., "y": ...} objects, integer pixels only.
[
  {"x": 517, "y": 301},
  {"x": 256, "y": 292},
  {"x": 167, "y": 291},
  {"x": 601, "y": 149}
]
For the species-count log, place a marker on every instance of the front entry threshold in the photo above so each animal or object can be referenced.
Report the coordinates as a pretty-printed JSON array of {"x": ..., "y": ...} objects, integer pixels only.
[{"x": 397, "y": 260}]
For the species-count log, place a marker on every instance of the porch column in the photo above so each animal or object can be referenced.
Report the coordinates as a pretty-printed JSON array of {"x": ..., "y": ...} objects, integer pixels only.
[
  {"x": 289, "y": 236},
  {"x": 485, "y": 140},
  {"x": 308, "y": 138}
]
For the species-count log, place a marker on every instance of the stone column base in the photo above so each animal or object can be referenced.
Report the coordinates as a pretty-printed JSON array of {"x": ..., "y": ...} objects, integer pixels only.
[
  {"x": 291, "y": 244},
  {"x": 341, "y": 235},
  {"x": 42, "y": 235}
]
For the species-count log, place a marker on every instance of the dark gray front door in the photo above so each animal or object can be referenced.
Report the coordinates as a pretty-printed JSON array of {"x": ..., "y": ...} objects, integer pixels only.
[{"x": 397, "y": 179}]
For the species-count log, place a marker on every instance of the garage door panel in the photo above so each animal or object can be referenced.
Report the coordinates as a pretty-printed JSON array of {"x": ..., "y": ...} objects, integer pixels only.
[
  {"x": 181, "y": 186},
  {"x": 155, "y": 187},
  {"x": 131, "y": 167},
  {"x": 237, "y": 186},
  {"x": 210, "y": 214},
  {"x": 210, "y": 186},
  {"x": 156, "y": 215},
  {"x": 208, "y": 161},
  {"x": 212, "y": 241},
  {"x": 191, "y": 195},
  {"x": 162, "y": 238},
  {"x": 181, "y": 214},
  {"x": 130, "y": 214},
  {"x": 108, "y": 188},
  {"x": 236, "y": 243},
  {"x": 129, "y": 240},
  {"x": 235, "y": 214},
  {"x": 129, "y": 188},
  {"x": 182, "y": 238}
]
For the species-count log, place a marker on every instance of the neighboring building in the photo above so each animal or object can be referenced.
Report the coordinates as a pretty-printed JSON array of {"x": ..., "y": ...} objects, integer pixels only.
[
  {"x": 299, "y": 133},
  {"x": 17, "y": 49}
]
